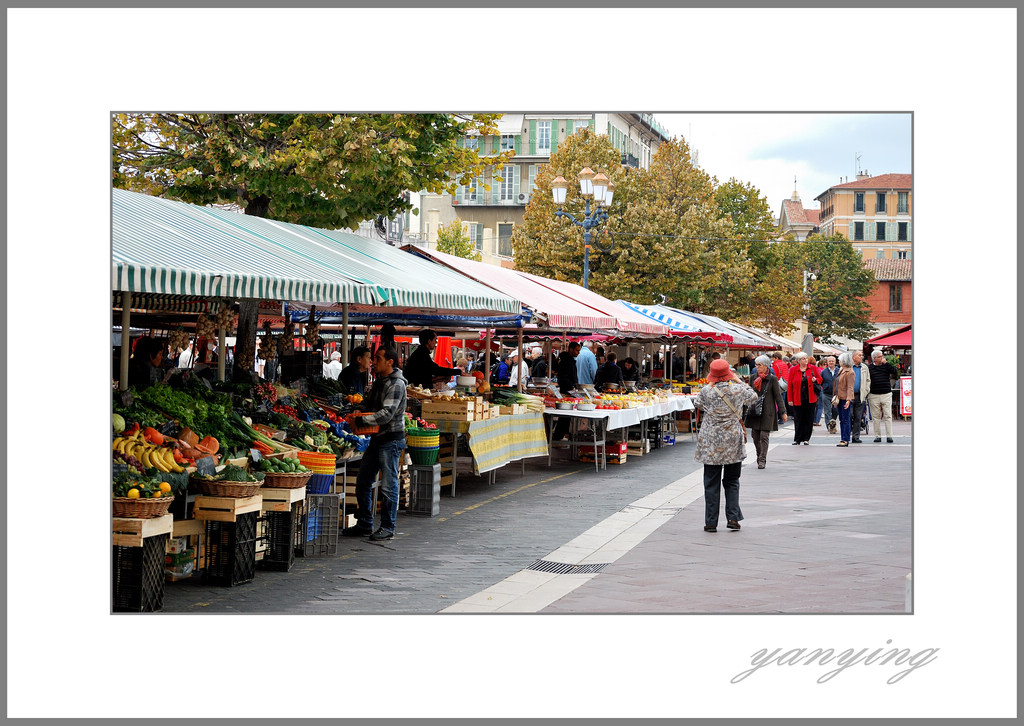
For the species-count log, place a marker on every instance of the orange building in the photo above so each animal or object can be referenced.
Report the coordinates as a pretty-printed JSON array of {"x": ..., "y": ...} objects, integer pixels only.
[
  {"x": 891, "y": 300},
  {"x": 874, "y": 212}
]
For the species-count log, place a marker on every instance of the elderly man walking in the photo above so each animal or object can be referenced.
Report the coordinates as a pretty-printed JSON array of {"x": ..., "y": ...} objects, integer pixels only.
[
  {"x": 861, "y": 388},
  {"x": 880, "y": 395}
]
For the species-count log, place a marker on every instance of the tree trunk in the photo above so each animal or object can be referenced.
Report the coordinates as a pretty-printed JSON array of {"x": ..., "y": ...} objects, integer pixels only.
[{"x": 245, "y": 336}]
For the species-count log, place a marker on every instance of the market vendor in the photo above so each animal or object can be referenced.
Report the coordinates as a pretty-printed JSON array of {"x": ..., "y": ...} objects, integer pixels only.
[
  {"x": 609, "y": 372},
  {"x": 146, "y": 365},
  {"x": 567, "y": 383},
  {"x": 355, "y": 376},
  {"x": 386, "y": 400},
  {"x": 421, "y": 369},
  {"x": 630, "y": 370}
]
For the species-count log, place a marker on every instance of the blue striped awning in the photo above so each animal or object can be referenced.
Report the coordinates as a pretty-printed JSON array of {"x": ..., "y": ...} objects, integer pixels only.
[{"x": 166, "y": 247}]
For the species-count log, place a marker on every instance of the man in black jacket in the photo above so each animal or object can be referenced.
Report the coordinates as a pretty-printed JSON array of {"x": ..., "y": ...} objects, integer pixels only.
[
  {"x": 567, "y": 381},
  {"x": 420, "y": 369},
  {"x": 880, "y": 395}
]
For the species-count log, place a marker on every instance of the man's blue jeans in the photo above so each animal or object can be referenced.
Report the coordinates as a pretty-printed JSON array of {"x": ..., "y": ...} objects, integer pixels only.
[{"x": 383, "y": 459}]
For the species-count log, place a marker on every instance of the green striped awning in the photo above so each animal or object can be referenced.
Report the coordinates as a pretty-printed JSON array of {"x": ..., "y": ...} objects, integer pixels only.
[{"x": 166, "y": 247}]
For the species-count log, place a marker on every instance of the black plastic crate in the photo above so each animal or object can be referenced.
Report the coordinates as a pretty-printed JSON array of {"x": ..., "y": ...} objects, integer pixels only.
[
  {"x": 425, "y": 490},
  {"x": 138, "y": 576},
  {"x": 319, "y": 529},
  {"x": 230, "y": 551},
  {"x": 282, "y": 534}
]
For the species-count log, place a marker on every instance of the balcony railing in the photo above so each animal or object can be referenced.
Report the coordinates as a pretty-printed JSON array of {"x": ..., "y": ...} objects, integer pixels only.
[
  {"x": 630, "y": 161},
  {"x": 486, "y": 200}
]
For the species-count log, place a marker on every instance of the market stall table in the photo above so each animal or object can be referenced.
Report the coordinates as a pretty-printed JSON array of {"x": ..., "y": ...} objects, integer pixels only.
[{"x": 497, "y": 441}]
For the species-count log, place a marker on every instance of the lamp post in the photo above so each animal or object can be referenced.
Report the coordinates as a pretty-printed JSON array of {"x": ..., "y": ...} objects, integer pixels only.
[{"x": 592, "y": 186}]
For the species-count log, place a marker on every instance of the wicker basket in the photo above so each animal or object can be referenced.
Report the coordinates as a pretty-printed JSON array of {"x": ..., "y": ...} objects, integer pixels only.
[
  {"x": 141, "y": 508},
  {"x": 356, "y": 424},
  {"x": 236, "y": 489},
  {"x": 419, "y": 441},
  {"x": 424, "y": 457},
  {"x": 291, "y": 480}
]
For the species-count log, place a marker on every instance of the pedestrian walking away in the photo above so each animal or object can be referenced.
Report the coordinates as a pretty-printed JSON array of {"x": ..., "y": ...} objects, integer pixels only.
[
  {"x": 880, "y": 395},
  {"x": 764, "y": 414},
  {"x": 386, "y": 403},
  {"x": 843, "y": 396},
  {"x": 720, "y": 442},
  {"x": 861, "y": 387},
  {"x": 800, "y": 395}
]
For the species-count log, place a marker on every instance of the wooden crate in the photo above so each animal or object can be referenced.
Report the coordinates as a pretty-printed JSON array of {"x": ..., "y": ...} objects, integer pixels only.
[
  {"x": 448, "y": 410},
  {"x": 225, "y": 509},
  {"x": 618, "y": 459},
  {"x": 280, "y": 500},
  {"x": 188, "y": 528},
  {"x": 513, "y": 410},
  {"x": 130, "y": 531}
]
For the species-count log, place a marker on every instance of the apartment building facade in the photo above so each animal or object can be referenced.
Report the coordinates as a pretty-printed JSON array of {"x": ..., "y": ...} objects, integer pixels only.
[
  {"x": 490, "y": 214},
  {"x": 874, "y": 212}
]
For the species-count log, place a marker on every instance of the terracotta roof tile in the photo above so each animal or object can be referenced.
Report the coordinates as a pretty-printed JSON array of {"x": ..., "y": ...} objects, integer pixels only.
[
  {"x": 813, "y": 216},
  {"x": 883, "y": 181},
  {"x": 890, "y": 270},
  {"x": 794, "y": 212}
]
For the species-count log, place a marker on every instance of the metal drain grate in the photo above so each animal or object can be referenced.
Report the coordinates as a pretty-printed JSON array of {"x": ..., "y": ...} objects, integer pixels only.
[{"x": 563, "y": 568}]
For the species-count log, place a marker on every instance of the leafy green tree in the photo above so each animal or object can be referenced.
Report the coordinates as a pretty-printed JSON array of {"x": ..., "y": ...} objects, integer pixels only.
[
  {"x": 775, "y": 296},
  {"x": 452, "y": 239},
  {"x": 553, "y": 247},
  {"x": 836, "y": 299},
  {"x": 323, "y": 170}
]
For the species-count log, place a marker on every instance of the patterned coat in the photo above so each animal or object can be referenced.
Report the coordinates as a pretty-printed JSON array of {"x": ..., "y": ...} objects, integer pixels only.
[{"x": 720, "y": 440}]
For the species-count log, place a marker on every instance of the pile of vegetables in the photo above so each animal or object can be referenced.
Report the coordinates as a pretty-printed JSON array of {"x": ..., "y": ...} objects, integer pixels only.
[
  {"x": 324, "y": 387},
  {"x": 284, "y": 465},
  {"x": 230, "y": 473}
]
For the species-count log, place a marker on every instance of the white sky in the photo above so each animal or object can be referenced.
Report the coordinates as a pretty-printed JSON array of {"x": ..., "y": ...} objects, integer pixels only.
[{"x": 769, "y": 149}]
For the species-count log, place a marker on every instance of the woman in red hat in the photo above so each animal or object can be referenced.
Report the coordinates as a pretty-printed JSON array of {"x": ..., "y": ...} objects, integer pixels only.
[{"x": 721, "y": 442}]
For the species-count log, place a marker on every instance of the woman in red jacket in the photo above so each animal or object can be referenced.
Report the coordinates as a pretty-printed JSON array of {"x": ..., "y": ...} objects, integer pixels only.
[{"x": 800, "y": 394}]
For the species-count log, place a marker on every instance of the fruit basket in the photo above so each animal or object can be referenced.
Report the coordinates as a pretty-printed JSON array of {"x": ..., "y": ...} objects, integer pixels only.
[
  {"x": 291, "y": 480},
  {"x": 141, "y": 508},
  {"x": 214, "y": 488}
]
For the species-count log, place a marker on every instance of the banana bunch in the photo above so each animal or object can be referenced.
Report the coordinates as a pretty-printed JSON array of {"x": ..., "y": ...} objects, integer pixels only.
[{"x": 160, "y": 458}]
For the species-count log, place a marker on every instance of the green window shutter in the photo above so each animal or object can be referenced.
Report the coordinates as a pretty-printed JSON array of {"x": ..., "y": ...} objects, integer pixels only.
[
  {"x": 533, "y": 137},
  {"x": 910, "y": 229},
  {"x": 461, "y": 143},
  {"x": 568, "y": 128},
  {"x": 516, "y": 142},
  {"x": 515, "y": 183},
  {"x": 459, "y": 194},
  {"x": 869, "y": 231},
  {"x": 495, "y": 187},
  {"x": 554, "y": 135},
  {"x": 479, "y": 235},
  {"x": 590, "y": 123},
  {"x": 909, "y": 254}
]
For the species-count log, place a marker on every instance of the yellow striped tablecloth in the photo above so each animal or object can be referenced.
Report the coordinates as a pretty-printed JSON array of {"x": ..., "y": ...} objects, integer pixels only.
[{"x": 498, "y": 441}]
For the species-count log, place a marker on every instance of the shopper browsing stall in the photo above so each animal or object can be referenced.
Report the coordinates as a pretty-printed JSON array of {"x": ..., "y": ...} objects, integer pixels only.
[{"x": 356, "y": 374}]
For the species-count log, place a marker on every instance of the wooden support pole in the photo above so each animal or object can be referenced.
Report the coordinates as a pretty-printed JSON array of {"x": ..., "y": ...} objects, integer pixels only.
[{"x": 126, "y": 348}]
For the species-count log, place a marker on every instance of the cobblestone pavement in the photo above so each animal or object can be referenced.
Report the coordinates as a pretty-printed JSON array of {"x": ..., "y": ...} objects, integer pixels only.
[{"x": 826, "y": 530}]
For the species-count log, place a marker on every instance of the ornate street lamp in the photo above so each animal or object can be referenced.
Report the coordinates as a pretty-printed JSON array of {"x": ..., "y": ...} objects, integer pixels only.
[{"x": 592, "y": 186}]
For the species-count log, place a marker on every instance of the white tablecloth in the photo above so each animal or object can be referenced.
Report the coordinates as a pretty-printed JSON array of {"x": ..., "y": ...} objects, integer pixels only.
[{"x": 629, "y": 416}]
